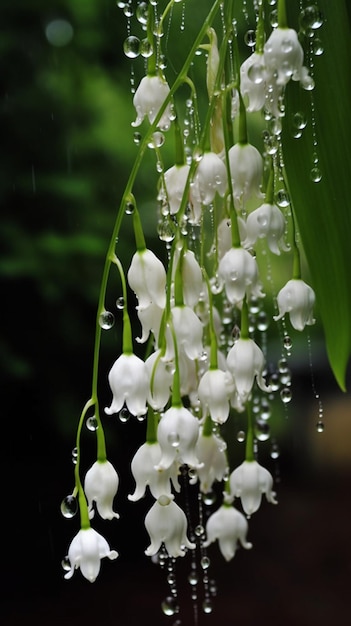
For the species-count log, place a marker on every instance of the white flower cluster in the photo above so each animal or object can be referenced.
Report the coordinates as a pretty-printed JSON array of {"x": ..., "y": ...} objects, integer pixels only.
[{"x": 200, "y": 367}]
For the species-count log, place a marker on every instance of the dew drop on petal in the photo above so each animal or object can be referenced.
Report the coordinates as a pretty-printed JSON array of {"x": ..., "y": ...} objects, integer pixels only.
[
  {"x": 131, "y": 47},
  {"x": 92, "y": 423},
  {"x": 173, "y": 439},
  {"x": 106, "y": 320},
  {"x": 256, "y": 73},
  {"x": 286, "y": 395},
  {"x": 69, "y": 506}
]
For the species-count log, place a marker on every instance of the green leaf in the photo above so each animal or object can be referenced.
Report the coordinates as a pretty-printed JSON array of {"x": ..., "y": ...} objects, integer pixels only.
[{"x": 323, "y": 209}]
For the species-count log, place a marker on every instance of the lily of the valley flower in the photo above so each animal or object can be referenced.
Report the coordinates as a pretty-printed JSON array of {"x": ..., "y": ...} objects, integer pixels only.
[
  {"x": 246, "y": 168},
  {"x": 166, "y": 523},
  {"x": 228, "y": 526},
  {"x": 253, "y": 78},
  {"x": 215, "y": 389},
  {"x": 150, "y": 319},
  {"x": 246, "y": 362},
  {"x": 296, "y": 298},
  {"x": 175, "y": 180},
  {"x": 283, "y": 55},
  {"x": 160, "y": 377},
  {"x": 266, "y": 221},
  {"x": 129, "y": 384},
  {"x": 188, "y": 329},
  {"x": 144, "y": 472},
  {"x": 248, "y": 482},
  {"x": 192, "y": 281},
  {"x": 148, "y": 99},
  {"x": 86, "y": 551},
  {"x": 177, "y": 434},
  {"x": 210, "y": 178},
  {"x": 211, "y": 453},
  {"x": 147, "y": 278},
  {"x": 100, "y": 486},
  {"x": 238, "y": 270},
  {"x": 224, "y": 235}
]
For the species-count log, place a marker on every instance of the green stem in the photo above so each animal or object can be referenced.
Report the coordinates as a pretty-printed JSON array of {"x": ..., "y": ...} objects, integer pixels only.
[
  {"x": 151, "y": 428},
  {"x": 176, "y": 395},
  {"x": 249, "y": 450},
  {"x": 127, "y": 342},
  {"x": 236, "y": 243},
  {"x": 83, "y": 507},
  {"x": 179, "y": 144},
  {"x": 260, "y": 32},
  {"x": 138, "y": 230},
  {"x": 151, "y": 62},
  {"x": 244, "y": 330},
  {"x": 243, "y": 137},
  {"x": 207, "y": 429},
  {"x": 178, "y": 281},
  {"x": 269, "y": 195},
  {"x": 213, "y": 336},
  {"x": 282, "y": 17}
]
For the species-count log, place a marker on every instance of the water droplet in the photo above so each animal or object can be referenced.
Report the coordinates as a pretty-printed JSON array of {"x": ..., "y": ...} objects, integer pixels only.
[
  {"x": 262, "y": 321},
  {"x": 265, "y": 410},
  {"x": 131, "y": 47},
  {"x": 199, "y": 530},
  {"x": 120, "y": 303},
  {"x": 287, "y": 343},
  {"x": 271, "y": 145},
  {"x": 241, "y": 435},
  {"x": 166, "y": 230},
  {"x": 286, "y": 395},
  {"x": 137, "y": 138},
  {"x": 317, "y": 47},
  {"x": 285, "y": 378},
  {"x": 171, "y": 578},
  {"x": 307, "y": 83},
  {"x": 287, "y": 46},
  {"x": 141, "y": 417},
  {"x": 128, "y": 10},
  {"x": 274, "y": 382},
  {"x": 320, "y": 426},
  {"x": 299, "y": 120},
  {"x": 311, "y": 18},
  {"x": 59, "y": 33},
  {"x": 250, "y": 38},
  {"x": 169, "y": 606},
  {"x": 216, "y": 285},
  {"x": 69, "y": 506},
  {"x": 124, "y": 415},
  {"x": 274, "y": 18},
  {"x": 283, "y": 365},
  {"x": 282, "y": 198},
  {"x": 193, "y": 578},
  {"x": 275, "y": 452},
  {"x": 209, "y": 498},
  {"x": 256, "y": 73},
  {"x": 197, "y": 155},
  {"x": 316, "y": 174},
  {"x": 262, "y": 430},
  {"x": 142, "y": 12},
  {"x": 106, "y": 320},
  {"x": 207, "y": 606},
  {"x": 66, "y": 564},
  {"x": 173, "y": 439},
  {"x": 157, "y": 140},
  {"x": 205, "y": 562},
  {"x": 92, "y": 423}
]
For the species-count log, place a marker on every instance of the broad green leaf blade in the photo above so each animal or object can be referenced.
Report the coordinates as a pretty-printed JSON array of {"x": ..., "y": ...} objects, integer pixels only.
[{"x": 323, "y": 209}]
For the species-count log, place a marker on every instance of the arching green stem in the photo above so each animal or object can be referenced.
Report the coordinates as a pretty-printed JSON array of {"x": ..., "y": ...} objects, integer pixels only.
[
  {"x": 127, "y": 343},
  {"x": 138, "y": 230}
]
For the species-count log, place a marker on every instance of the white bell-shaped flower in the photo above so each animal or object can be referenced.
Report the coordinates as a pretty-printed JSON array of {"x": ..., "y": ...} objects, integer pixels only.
[
  {"x": 150, "y": 319},
  {"x": 129, "y": 384},
  {"x": 160, "y": 380},
  {"x": 253, "y": 78},
  {"x": 283, "y": 55},
  {"x": 86, "y": 551},
  {"x": 211, "y": 453},
  {"x": 210, "y": 178},
  {"x": 238, "y": 270},
  {"x": 246, "y": 168},
  {"x": 229, "y": 526},
  {"x": 224, "y": 235},
  {"x": 266, "y": 221},
  {"x": 175, "y": 181},
  {"x": 100, "y": 486},
  {"x": 148, "y": 99},
  {"x": 188, "y": 329},
  {"x": 177, "y": 434},
  {"x": 246, "y": 362},
  {"x": 166, "y": 524},
  {"x": 215, "y": 389},
  {"x": 147, "y": 278},
  {"x": 248, "y": 482},
  {"x": 144, "y": 472},
  {"x": 192, "y": 280},
  {"x": 296, "y": 298}
]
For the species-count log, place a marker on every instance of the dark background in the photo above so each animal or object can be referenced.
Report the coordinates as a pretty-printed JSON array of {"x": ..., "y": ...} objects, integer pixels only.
[{"x": 66, "y": 147}]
